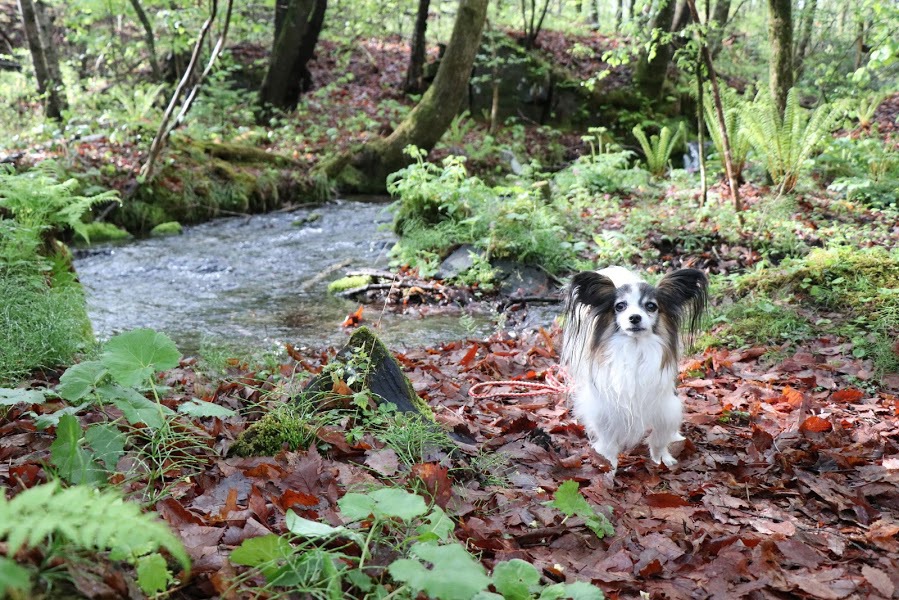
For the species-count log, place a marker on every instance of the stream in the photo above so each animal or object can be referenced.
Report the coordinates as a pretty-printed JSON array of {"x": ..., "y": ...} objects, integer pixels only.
[{"x": 255, "y": 282}]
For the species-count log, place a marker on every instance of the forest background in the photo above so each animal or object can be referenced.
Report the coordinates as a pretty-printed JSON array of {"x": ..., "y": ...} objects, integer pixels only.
[{"x": 752, "y": 139}]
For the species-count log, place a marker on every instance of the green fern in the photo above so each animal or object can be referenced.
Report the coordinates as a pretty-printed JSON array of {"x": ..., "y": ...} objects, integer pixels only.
[
  {"x": 866, "y": 107},
  {"x": 739, "y": 141},
  {"x": 786, "y": 143},
  {"x": 89, "y": 518},
  {"x": 658, "y": 148},
  {"x": 37, "y": 200}
]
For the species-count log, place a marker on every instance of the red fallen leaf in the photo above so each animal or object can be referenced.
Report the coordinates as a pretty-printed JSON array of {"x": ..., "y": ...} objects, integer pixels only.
[
  {"x": 293, "y": 353},
  {"x": 230, "y": 504},
  {"x": 27, "y": 474},
  {"x": 665, "y": 500},
  {"x": 815, "y": 424},
  {"x": 469, "y": 356},
  {"x": 654, "y": 567},
  {"x": 792, "y": 397},
  {"x": 353, "y": 319},
  {"x": 341, "y": 388},
  {"x": 436, "y": 480},
  {"x": 849, "y": 395},
  {"x": 292, "y": 498},
  {"x": 572, "y": 462},
  {"x": 761, "y": 439}
]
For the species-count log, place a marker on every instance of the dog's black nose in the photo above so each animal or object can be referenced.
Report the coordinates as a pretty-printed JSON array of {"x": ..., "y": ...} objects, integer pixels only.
[{"x": 635, "y": 319}]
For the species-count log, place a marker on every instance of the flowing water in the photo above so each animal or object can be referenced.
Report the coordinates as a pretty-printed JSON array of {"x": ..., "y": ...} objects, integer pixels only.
[{"x": 253, "y": 282}]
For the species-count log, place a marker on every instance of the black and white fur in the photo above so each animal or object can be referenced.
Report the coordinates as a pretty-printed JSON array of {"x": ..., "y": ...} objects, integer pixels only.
[{"x": 620, "y": 347}]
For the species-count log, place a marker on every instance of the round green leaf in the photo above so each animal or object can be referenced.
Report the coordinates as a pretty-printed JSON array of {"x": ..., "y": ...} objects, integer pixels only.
[{"x": 133, "y": 357}]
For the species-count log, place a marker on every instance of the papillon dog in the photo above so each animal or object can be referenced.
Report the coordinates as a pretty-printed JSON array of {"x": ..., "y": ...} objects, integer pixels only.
[{"x": 620, "y": 347}]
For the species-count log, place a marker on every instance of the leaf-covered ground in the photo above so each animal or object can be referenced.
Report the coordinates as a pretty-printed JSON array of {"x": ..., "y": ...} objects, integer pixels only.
[{"x": 786, "y": 485}]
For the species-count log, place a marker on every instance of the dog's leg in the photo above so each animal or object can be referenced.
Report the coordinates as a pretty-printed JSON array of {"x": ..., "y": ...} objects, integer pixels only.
[
  {"x": 608, "y": 451},
  {"x": 666, "y": 431}
]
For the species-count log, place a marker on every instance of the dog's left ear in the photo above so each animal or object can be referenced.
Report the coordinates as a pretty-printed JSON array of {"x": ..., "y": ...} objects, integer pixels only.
[{"x": 684, "y": 293}]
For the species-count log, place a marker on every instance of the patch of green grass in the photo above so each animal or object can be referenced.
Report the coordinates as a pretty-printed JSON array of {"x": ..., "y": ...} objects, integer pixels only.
[
  {"x": 43, "y": 326},
  {"x": 167, "y": 228},
  {"x": 755, "y": 320},
  {"x": 348, "y": 283}
]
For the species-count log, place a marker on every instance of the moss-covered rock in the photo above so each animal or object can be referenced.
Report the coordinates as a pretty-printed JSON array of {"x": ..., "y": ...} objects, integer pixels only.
[
  {"x": 348, "y": 283},
  {"x": 104, "y": 232},
  {"x": 168, "y": 228},
  {"x": 383, "y": 378}
]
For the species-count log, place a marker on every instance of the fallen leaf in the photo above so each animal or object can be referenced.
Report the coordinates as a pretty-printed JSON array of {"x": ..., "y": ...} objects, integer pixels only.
[{"x": 815, "y": 424}]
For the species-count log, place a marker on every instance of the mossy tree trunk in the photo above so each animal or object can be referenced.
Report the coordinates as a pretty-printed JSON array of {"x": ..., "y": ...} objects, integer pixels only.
[
  {"x": 806, "y": 25},
  {"x": 415, "y": 74},
  {"x": 149, "y": 38},
  {"x": 652, "y": 70},
  {"x": 298, "y": 24},
  {"x": 366, "y": 168},
  {"x": 780, "y": 40}
]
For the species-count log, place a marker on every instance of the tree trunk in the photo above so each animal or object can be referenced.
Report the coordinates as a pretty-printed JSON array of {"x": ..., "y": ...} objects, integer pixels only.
[
  {"x": 298, "y": 24},
  {"x": 47, "y": 85},
  {"x": 806, "y": 25},
  {"x": 367, "y": 168},
  {"x": 619, "y": 14},
  {"x": 681, "y": 16},
  {"x": 780, "y": 40},
  {"x": 720, "y": 15},
  {"x": 415, "y": 75},
  {"x": 651, "y": 71},
  {"x": 149, "y": 37}
]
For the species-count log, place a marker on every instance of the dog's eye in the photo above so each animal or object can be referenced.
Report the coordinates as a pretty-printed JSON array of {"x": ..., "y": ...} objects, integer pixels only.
[
  {"x": 651, "y": 306},
  {"x": 620, "y": 306}
]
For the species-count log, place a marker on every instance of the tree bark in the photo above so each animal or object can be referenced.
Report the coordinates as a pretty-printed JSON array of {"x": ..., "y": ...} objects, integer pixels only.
[
  {"x": 780, "y": 40},
  {"x": 149, "y": 38},
  {"x": 367, "y": 168},
  {"x": 720, "y": 15},
  {"x": 806, "y": 25},
  {"x": 651, "y": 72},
  {"x": 298, "y": 24},
  {"x": 415, "y": 74},
  {"x": 49, "y": 83}
]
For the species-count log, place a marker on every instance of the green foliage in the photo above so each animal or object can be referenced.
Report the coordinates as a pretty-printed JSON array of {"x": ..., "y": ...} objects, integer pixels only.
[
  {"x": 447, "y": 572},
  {"x": 90, "y": 519},
  {"x": 861, "y": 283},
  {"x": 104, "y": 232},
  {"x": 167, "y": 228},
  {"x": 786, "y": 143},
  {"x": 657, "y": 150},
  {"x": 569, "y": 501},
  {"x": 865, "y": 107},
  {"x": 348, "y": 283},
  {"x": 733, "y": 107},
  {"x": 442, "y": 207}
]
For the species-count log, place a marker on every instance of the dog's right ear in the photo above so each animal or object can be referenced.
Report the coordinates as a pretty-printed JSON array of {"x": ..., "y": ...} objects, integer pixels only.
[{"x": 593, "y": 289}]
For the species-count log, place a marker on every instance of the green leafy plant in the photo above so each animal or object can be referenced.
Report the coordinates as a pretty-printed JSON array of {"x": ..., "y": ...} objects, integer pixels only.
[
  {"x": 733, "y": 107},
  {"x": 658, "y": 148},
  {"x": 866, "y": 106},
  {"x": 785, "y": 143},
  {"x": 570, "y": 502},
  {"x": 90, "y": 519}
]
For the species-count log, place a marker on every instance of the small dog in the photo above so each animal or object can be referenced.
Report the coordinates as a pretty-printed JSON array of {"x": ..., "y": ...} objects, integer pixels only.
[{"x": 620, "y": 348}]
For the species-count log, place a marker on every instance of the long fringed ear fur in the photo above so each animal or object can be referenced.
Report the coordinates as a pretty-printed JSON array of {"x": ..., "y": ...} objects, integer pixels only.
[
  {"x": 597, "y": 292},
  {"x": 684, "y": 295}
]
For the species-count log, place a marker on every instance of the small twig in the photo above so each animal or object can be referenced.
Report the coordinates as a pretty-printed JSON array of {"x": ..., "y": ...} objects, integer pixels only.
[{"x": 327, "y": 271}]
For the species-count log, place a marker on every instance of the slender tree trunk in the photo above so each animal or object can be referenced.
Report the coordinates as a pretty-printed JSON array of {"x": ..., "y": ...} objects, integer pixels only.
[
  {"x": 149, "y": 38},
  {"x": 415, "y": 75},
  {"x": 619, "y": 14},
  {"x": 298, "y": 26},
  {"x": 860, "y": 43},
  {"x": 719, "y": 112},
  {"x": 594, "y": 13},
  {"x": 367, "y": 168},
  {"x": 806, "y": 26},
  {"x": 720, "y": 15},
  {"x": 700, "y": 127},
  {"x": 651, "y": 72},
  {"x": 681, "y": 16},
  {"x": 48, "y": 86},
  {"x": 780, "y": 40}
]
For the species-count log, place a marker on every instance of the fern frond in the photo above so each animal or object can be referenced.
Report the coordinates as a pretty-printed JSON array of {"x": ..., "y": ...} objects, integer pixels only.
[
  {"x": 785, "y": 143},
  {"x": 658, "y": 148},
  {"x": 732, "y": 106},
  {"x": 92, "y": 519}
]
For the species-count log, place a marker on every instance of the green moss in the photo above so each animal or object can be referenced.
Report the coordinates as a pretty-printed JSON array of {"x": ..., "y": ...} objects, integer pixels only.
[
  {"x": 348, "y": 283},
  {"x": 284, "y": 426},
  {"x": 104, "y": 232},
  {"x": 169, "y": 228}
]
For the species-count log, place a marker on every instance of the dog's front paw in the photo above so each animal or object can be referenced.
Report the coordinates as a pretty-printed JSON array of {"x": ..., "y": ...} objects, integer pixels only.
[{"x": 664, "y": 457}]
